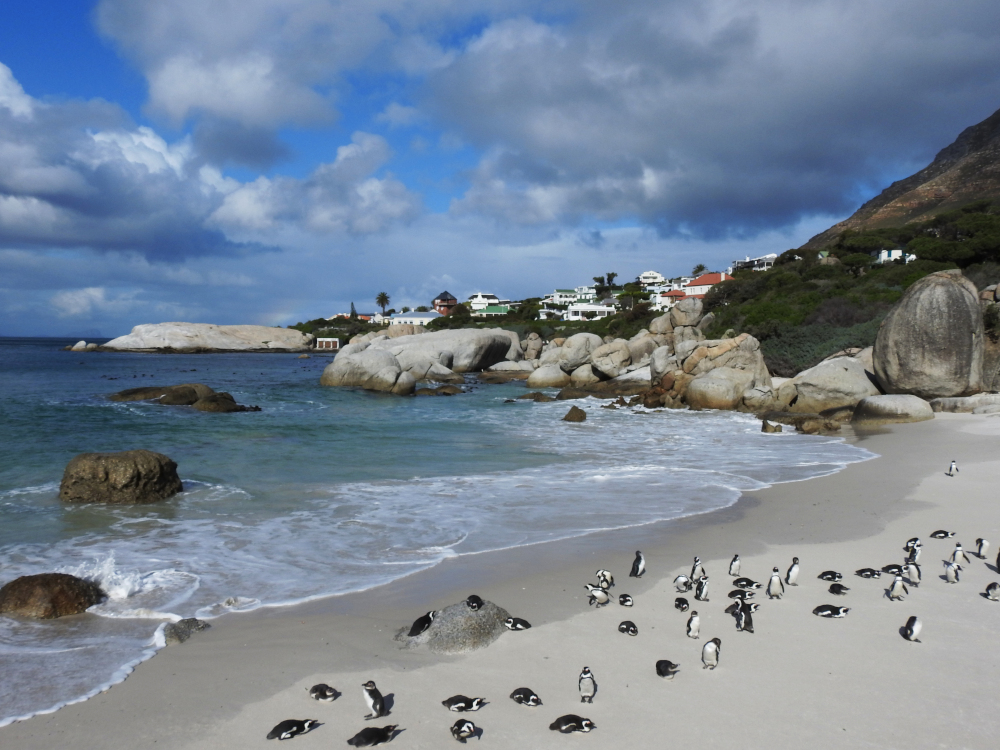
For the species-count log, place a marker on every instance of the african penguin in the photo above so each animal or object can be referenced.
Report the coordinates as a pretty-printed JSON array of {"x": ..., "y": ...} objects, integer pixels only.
[
  {"x": 912, "y": 572},
  {"x": 638, "y": 565},
  {"x": 892, "y": 569},
  {"x": 604, "y": 579},
  {"x": 681, "y": 604},
  {"x": 371, "y": 736},
  {"x": 831, "y": 610},
  {"x": 741, "y": 594},
  {"x": 951, "y": 571},
  {"x": 745, "y": 583},
  {"x": 667, "y": 669},
  {"x": 628, "y": 627},
  {"x": 625, "y": 600},
  {"x": 993, "y": 592},
  {"x": 461, "y": 703},
  {"x": 376, "y": 705},
  {"x": 516, "y": 623},
  {"x": 914, "y": 555},
  {"x": 983, "y": 548},
  {"x": 958, "y": 554},
  {"x": 526, "y": 697},
  {"x": 421, "y": 624},
  {"x": 912, "y": 629},
  {"x": 693, "y": 625},
  {"x": 897, "y": 588},
  {"x": 474, "y": 603},
  {"x": 323, "y": 692},
  {"x": 868, "y": 573},
  {"x": 838, "y": 589},
  {"x": 942, "y": 534},
  {"x": 701, "y": 593},
  {"x": 744, "y": 618},
  {"x": 572, "y": 723},
  {"x": 775, "y": 588},
  {"x": 911, "y": 544},
  {"x": 793, "y": 573},
  {"x": 598, "y": 595},
  {"x": 952, "y": 469},
  {"x": 683, "y": 584},
  {"x": 587, "y": 685},
  {"x": 829, "y": 575},
  {"x": 290, "y": 727},
  {"x": 710, "y": 653},
  {"x": 462, "y": 729},
  {"x": 734, "y": 566},
  {"x": 697, "y": 569}
]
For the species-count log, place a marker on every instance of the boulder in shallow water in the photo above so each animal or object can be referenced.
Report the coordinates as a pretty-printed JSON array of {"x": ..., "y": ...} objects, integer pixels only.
[
  {"x": 222, "y": 403},
  {"x": 459, "y": 630},
  {"x": 126, "y": 478},
  {"x": 174, "y": 394},
  {"x": 575, "y": 414},
  {"x": 49, "y": 595},
  {"x": 180, "y": 631}
]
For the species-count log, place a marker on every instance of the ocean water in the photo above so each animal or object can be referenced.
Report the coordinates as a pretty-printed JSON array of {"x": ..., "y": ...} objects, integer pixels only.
[{"x": 323, "y": 492}]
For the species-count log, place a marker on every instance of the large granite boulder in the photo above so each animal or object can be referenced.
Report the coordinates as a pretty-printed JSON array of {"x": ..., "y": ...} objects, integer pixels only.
[
  {"x": 470, "y": 349},
  {"x": 697, "y": 359},
  {"x": 524, "y": 365},
  {"x": 515, "y": 353},
  {"x": 371, "y": 369},
  {"x": 423, "y": 367},
  {"x": 661, "y": 325},
  {"x": 891, "y": 408},
  {"x": 532, "y": 346},
  {"x": 966, "y": 404},
  {"x": 721, "y": 388},
  {"x": 577, "y": 350},
  {"x": 830, "y": 384},
  {"x": 662, "y": 361},
  {"x": 126, "y": 478},
  {"x": 641, "y": 347},
  {"x": 583, "y": 376},
  {"x": 931, "y": 342},
  {"x": 49, "y": 595},
  {"x": 186, "y": 337},
  {"x": 459, "y": 630},
  {"x": 611, "y": 359},
  {"x": 687, "y": 312},
  {"x": 167, "y": 394},
  {"x": 548, "y": 376}
]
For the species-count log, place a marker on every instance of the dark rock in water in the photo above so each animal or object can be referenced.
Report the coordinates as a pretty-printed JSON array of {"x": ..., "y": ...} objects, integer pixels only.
[
  {"x": 182, "y": 395},
  {"x": 180, "y": 631},
  {"x": 575, "y": 414},
  {"x": 458, "y": 630},
  {"x": 49, "y": 595},
  {"x": 127, "y": 478},
  {"x": 818, "y": 426},
  {"x": 766, "y": 426},
  {"x": 537, "y": 397},
  {"x": 222, "y": 403},
  {"x": 569, "y": 393},
  {"x": 148, "y": 393},
  {"x": 441, "y": 390}
]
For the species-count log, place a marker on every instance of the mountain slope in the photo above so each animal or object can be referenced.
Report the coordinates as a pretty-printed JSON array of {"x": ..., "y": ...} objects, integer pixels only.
[{"x": 966, "y": 171}]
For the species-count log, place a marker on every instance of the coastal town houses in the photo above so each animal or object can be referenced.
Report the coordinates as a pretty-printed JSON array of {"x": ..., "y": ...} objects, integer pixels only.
[
  {"x": 763, "y": 263},
  {"x": 445, "y": 302},
  {"x": 414, "y": 318},
  {"x": 699, "y": 287},
  {"x": 651, "y": 278},
  {"x": 891, "y": 256},
  {"x": 485, "y": 305}
]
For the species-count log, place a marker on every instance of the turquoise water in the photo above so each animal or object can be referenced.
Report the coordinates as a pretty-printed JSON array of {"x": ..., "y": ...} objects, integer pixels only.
[{"x": 324, "y": 491}]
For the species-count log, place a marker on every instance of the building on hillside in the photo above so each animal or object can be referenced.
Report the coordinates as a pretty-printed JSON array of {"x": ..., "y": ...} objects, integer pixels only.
[
  {"x": 666, "y": 300},
  {"x": 890, "y": 256},
  {"x": 547, "y": 314},
  {"x": 367, "y": 317},
  {"x": 415, "y": 318},
  {"x": 700, "y": 286},
  {"x": 328, "y": 344},
  {"x": 763, "y": 263},
  {"x": 560, "y": 297},
  {"x": 493, "y": 311},
  {"x": 590, "y": 311},
  {"x": 481, "y": 300},
  {"x": 445, "y": 302},
  {"x": 651, "y": 278}
]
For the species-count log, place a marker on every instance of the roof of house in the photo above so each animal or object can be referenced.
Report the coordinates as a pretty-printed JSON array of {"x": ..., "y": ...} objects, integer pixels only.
[
  {"x": 494, "y": 309},
  {"x": 707, "y": 279},
  {"x": 673, "y": 293},
  {"x": 445, "y": 297},
  {"x": 414, "y": 314}
]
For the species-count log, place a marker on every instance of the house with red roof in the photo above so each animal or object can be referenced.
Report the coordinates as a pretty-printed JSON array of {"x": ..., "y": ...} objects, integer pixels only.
[{"x": 700, "y": 286}]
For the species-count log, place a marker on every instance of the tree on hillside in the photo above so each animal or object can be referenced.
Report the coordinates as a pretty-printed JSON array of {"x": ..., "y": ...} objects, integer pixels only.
[
  {"x": 598, "y": 280},
  {"x": 698, "y": 270},
  {"x": 611, "y": 278},
  {"x": 354, "y": 313},
  {"x": 382, "y": 300}
]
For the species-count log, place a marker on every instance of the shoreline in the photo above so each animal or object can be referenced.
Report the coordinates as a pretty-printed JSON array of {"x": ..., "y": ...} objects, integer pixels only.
[{"x": 174, "y": 698}]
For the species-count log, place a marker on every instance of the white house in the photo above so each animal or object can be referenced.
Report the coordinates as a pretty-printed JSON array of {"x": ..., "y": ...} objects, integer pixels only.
[
  {"x": 482, "y": 300},
  {"x": 700, "y": 286},
  {"x": 588, "y": 311},
  {"x": 651, "y": 278},
  {"x": 763, "y": 263},
  {"x": 415, "y": 318},
  {"x": 888, "y": 256}
]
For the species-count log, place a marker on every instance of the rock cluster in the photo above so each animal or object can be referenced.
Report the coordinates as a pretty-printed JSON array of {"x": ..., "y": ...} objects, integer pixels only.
[
  {"x": 49, "y": 595},
  {"x": 200, "y": 396},
  {"x": 458, "y": 630},
  {"x": 126, "y": 478}
]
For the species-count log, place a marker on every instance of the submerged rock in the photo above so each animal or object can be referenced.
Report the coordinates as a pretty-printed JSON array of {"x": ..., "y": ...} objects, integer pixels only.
[
  {"x": 575, "y": 414},
  {"x": 180, "y": 631},
  {"x": 125, "y": 478},
  {"x": 175, "y": 394},
  {"x": 49, "y": 595}
]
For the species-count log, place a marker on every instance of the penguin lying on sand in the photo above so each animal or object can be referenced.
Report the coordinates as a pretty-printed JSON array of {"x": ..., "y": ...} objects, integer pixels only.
[
  {"x": 462, "y": 703},
  {"x": 516, "y": 623},
  {"x": 667, "y": 669},
  {"x": 868, "y": 573},
  {"x": 829, "y": 575},
  {"x": 912, "y": 629},
  {"x": 831, "y": 610},
  {"x": 526, "y": 697},
  {"x": 628, "y": 627},
  {"x": 290, "y": 727},
  {"x": 323, "y": 692},
  {"x": 371, "y": 736},
  {"x": 572, "y": 723},
  {"x": 462, "y": 729}
]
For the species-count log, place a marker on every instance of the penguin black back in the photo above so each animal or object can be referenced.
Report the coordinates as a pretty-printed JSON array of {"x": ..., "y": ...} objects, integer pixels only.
[
  {"x": 421, "y": 624},
  {"x": 474, "y": 603},
  {"x": 667, "y": 669},
  {"x": 526, "y": 697},
  {"x": 371, "y": 736},
  {"x": 290, "y": 727}
]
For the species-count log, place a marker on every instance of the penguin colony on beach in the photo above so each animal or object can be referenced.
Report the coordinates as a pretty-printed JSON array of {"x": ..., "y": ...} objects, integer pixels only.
[{"x": 740, "y": 607}]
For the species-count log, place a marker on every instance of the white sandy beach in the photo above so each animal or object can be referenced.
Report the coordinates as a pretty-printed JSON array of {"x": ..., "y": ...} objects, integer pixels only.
[{"x": 799, "y": 680}]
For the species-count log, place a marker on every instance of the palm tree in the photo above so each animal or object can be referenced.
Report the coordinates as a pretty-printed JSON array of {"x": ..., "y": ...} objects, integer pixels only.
[
  {"x": 698, "y": 270},
  {"x": 382, "y": 300}
]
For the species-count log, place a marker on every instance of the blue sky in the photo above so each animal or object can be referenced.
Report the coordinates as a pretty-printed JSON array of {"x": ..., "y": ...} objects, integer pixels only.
[{"x": 269, "y": 161}]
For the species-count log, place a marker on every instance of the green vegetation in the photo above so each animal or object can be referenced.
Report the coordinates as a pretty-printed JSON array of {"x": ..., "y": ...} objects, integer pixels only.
[
  {"x": 338, "y": 328},
  {"x": 382, "y": 300}
]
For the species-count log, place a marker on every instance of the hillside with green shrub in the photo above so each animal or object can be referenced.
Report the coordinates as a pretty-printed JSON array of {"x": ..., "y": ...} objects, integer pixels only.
[{"x": 811, "y": 305}]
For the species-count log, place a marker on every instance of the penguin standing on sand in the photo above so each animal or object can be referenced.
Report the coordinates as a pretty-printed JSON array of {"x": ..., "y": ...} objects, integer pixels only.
[
  {"x": 744, "y": 617},
  {"x": 693, "y": 625},
  {"x": 993, "y": 592},
  {"x": 793, "y": 573},
  {"x": 775, "y": 588},
  {"x": 958, "y": 555},
  {"x": 951, "y": 571},
  {"x": 587, "y": 685},
  {"x": 912, "y": 629},
  {"x": 598, "y": 595},
  {"x": 697, "y": 569},
  {"x": 897, "y": 588},
  {"x": 710, "y": 653},
  {"x": 701, "y": 593},
  {"x": 982, "y": 548},
  {"x": 376, "y": 704},
  {"x": 638, "y": 565},
  {"x": 912, "y": 572},
  {"x": 952, "y": 468},
  {"x": 734, "y": 566}
]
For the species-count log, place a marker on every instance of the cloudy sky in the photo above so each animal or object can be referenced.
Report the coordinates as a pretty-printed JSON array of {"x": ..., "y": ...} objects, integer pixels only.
[{"x": 270, "y": 161}]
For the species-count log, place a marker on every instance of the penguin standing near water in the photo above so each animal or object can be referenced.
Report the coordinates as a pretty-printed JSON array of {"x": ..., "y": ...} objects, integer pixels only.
[
  {"x": 697, "y": 569},
  {"x": 605, "y": 580},
  {"x": 638, "y": 565},
  {"x": 775, "y": 588},
  {"x": 793, "y": 573},
  {"x": 734, "y": 566},
  {"x": 587, "y": 685}
]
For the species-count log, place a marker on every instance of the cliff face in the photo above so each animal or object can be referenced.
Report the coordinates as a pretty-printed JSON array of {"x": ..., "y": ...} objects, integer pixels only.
[{"x": 966, "y": 171}]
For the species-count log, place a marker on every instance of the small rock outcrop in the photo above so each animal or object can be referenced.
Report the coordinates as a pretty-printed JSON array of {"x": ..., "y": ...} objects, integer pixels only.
[
  {"x": 49, "y": 595},
  {"x": 180, "y": 631},
  {"x": 126, "y": 478},
  {"x": 221, "y": 403},
  {"x": 766, "y": 426},
  {"x": 371, "y": 369},
  {"x": 548, "y": 376},
  {"x": 892, "y": 408},
  {"x": 458, "y": 630},
  {"x": 832, "y": 383},
  {"x": 720, "y": 388},
  {"x": 966, "y": 404},
  {"x": 931, "y": 343},
  {"x": 538, "y": 397},
  {"x": 184, "y": 394},
  {"x": 205, "y": 337},
  {"x": 575, "y": 414}
]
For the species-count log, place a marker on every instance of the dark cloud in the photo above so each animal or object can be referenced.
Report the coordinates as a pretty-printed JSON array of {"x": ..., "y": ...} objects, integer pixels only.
[{"x": 224, "y": 142}]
